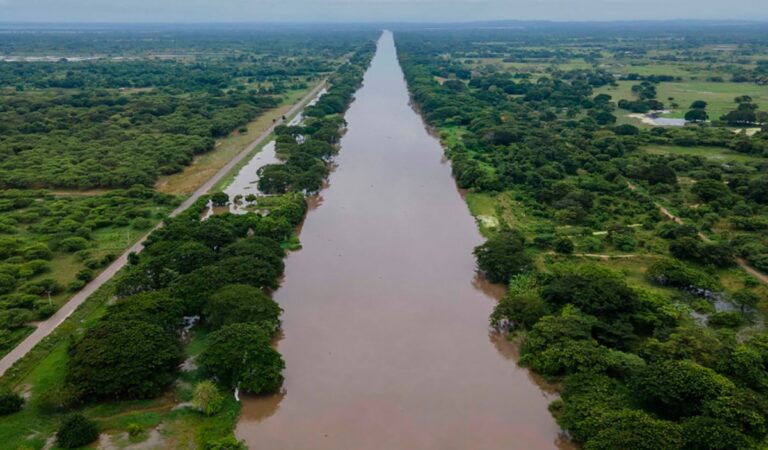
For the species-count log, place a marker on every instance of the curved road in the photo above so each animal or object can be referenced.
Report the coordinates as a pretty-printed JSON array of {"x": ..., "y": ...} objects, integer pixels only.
[{"x": 46, "y": 327}]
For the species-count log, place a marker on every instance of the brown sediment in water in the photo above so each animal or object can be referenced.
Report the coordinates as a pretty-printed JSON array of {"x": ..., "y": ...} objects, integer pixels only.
[{"x": 386, "y": 336}]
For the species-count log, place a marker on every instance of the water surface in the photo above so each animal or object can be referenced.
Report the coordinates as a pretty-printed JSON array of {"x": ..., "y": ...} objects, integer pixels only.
[{"x": 386, "y": 336}]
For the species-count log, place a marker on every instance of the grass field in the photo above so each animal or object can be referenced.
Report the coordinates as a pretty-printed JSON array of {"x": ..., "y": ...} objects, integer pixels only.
[
  {"x": 713, "y": 153},
  {"x": 63, "y": 267},
  {"x": 719, "y": 96}
]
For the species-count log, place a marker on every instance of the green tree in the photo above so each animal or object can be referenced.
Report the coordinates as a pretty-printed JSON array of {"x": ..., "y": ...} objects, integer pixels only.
[
  {"x": 115, "y": 359},
  {"x": 220, "y": 199},
  {"x": 698, "y": 104},
  {"x": 680, "y": 388},
  {"x": 661, "y": 173},
  {"x": 7, "y": 283},
  {"x": 636, "y": 430},
  {"x": 696, "y": 115},
  {"x": 708, "y": 433},
  {"x": 241, "y": 356},
  {"x": 73, "y": 244},
  {"x": 710, "y": 190},
  {"x": 237, "y": 303},
  {"x": 502, "y": 256},
  {"x": 594, "y": 289},
  {"x": 521, "y": 310},
  {"x": 156, "y": 307}
]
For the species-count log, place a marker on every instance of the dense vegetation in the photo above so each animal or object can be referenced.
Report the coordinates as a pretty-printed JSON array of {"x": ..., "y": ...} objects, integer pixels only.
[
  {"x": 669, "y": 352},
  {"x": 205, "y": 280},
  {"x": 115, "y": 123},
  {"x": 111, "y": 124},
  {"x": 51, "y": 246},
  {"x": 220, "y": 270}
]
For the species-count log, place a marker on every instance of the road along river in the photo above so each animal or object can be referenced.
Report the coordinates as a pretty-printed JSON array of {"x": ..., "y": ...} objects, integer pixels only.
[
  {"x": 47, "y": 326},
  {"x": 386, "y": 335}
]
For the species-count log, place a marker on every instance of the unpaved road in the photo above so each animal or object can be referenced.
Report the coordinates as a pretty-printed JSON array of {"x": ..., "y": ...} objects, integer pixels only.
[
  {"x": 45, "y": 327},
  {"x": 761, "y": 277}
]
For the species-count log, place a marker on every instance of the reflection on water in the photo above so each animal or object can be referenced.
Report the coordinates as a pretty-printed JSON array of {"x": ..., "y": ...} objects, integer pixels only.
[
  {"x": 386, "y": 322},
  {"x": 263, "y": 406},
  {"x": 246, "y": 181}
]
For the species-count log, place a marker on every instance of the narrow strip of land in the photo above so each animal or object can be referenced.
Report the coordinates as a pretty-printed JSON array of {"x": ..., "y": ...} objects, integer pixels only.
[{"x": 47, "y": 326}]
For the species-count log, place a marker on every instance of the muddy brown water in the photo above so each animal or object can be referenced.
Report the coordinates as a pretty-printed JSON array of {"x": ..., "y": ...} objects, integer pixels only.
[{"x": 386, "y": 336}]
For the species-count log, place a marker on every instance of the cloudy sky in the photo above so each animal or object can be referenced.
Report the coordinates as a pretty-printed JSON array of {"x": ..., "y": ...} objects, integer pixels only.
[{"x": 373, "y": 10}]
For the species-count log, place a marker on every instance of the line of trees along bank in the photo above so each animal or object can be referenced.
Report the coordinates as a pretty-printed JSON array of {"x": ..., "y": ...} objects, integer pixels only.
[
  {"x": 636, "y": 371},
  {"x": 305, "y": 150},
  {"x": 221, "y": 270}
]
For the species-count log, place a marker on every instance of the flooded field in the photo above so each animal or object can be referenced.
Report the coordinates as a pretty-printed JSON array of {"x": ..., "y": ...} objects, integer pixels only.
[
  {"x": 247, "y": 178},
  {"x": 386, "y": 335}
]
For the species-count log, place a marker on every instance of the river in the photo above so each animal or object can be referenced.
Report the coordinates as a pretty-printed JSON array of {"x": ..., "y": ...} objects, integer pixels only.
[{"x": 386, "y": 336}]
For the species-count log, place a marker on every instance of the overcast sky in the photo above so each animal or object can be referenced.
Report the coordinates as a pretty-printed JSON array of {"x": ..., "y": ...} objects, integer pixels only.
[{"x": 373, "y": 10}]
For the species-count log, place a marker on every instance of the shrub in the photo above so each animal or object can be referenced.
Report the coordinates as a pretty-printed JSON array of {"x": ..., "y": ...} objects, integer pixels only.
[
  {"x": 73, "y": 244},
  {"x": 676, "y": 274},
  {"x": 134, "y": 429},
  {"x": 564, "y": 246},
  {"x": 227, "y": 443},
  {"x": 76, "y": 431},
  {"x": 207, "y": 398},
  {"x": 726, "y": 319},
  {"x": 10, "y": 402},
  {"x": 141, "y": 223},
  {"x": 57, "y": 400}
]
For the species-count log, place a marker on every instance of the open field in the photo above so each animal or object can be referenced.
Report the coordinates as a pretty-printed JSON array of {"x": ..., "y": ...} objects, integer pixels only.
[
  {"x": 711, "y": 153},
  {"x": 719, "y": 96}
]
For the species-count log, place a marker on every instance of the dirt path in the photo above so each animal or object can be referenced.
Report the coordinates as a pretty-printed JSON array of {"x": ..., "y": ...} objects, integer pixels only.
[
  {"x": 741, "y": 262},
  {"x": 761, "y": 277},
  {"x": 46, "y": 327},
  {"x": 596, "y": 255}
]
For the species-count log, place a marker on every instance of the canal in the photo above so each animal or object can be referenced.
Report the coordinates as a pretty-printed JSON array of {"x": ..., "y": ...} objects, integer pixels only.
[{"x": 386, "y": 336}]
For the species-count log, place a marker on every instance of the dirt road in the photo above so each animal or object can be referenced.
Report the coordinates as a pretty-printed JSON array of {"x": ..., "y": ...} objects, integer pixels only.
[
  {"x": 761, "y": 277},
  {"x": 46, "y": 327}
]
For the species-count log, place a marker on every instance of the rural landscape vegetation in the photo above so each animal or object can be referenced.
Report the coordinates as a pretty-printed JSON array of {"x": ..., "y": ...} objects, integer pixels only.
[{"x": 617, "y": 173}]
